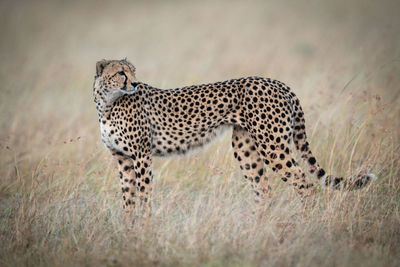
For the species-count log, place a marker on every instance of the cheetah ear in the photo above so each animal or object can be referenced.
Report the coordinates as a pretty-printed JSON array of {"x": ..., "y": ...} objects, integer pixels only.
[
  {"x": 100, "y": 66},
  {"x": 133, "y": 69}
]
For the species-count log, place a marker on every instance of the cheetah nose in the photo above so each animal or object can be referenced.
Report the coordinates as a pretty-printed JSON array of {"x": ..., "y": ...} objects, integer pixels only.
[{"x": 134, "y": 88}]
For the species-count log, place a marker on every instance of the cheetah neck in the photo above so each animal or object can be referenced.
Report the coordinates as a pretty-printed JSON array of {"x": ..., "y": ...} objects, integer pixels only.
[{"x": 105, "y": 101}]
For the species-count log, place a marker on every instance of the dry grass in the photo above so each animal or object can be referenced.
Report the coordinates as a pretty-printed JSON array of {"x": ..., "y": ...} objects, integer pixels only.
[{"x": 59, "y": 196}]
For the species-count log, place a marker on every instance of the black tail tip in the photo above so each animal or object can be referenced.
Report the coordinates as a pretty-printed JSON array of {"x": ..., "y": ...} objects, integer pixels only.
[
  {"x": 351, "y": 183},
  {"x": 362, "y": 180}
]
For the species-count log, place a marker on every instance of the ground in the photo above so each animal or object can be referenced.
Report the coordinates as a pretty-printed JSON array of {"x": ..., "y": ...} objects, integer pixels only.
[{"x": 59, "y": 193}]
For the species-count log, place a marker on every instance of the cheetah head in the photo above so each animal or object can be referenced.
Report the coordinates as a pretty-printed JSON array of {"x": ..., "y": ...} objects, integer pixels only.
[{"x": 115, "y": 78}]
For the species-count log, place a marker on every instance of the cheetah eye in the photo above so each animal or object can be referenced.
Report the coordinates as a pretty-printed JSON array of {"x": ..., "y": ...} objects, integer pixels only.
[{"x": 121, "y": 73}]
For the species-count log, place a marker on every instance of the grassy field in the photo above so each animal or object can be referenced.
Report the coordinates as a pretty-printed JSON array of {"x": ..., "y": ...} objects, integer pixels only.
[{"x": 60, "y": 201}]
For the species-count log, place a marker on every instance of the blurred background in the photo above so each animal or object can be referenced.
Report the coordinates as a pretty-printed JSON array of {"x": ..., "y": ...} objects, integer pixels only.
[{"x": 59, "y": 195}]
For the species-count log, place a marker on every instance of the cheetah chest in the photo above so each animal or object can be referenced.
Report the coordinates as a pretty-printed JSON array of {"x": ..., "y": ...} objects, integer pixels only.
[{"x": 109, "y": 139}]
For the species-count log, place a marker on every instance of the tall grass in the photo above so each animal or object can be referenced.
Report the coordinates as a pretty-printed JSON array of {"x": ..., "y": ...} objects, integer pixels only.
[{"x": 60, "y": 202}]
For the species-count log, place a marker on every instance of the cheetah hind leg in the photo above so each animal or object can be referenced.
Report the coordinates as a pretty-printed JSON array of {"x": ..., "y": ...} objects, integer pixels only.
[
  {"x": 251, "y": 164},
  {"x": 279, "y": 157}
]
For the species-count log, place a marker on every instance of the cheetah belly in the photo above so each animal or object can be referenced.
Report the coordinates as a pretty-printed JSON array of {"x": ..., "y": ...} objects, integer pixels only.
[{"x": 165, "y": 144}]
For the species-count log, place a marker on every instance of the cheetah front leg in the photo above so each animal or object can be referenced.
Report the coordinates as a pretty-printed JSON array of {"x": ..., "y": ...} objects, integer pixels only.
[
  {"x": 144, "y": 179},
  {"x": 128, "y": 185}
]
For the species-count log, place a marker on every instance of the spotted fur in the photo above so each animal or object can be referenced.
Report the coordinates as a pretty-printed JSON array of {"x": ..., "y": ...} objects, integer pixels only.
[{"x": 138, "y": 121}]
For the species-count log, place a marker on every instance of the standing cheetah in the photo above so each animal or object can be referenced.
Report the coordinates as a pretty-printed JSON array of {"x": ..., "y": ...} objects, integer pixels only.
[{"x": 138, "y": 121}]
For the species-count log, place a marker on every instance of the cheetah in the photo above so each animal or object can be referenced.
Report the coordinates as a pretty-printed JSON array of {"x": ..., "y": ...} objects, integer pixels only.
[{"x": 138, "y": 121}]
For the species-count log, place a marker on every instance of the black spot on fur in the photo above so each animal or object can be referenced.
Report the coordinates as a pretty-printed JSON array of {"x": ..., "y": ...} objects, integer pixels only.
[{"x": 321, "y": 173}]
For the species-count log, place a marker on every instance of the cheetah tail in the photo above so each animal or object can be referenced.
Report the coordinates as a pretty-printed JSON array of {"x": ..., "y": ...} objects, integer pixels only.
[{"x": 301, "y": 144}]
